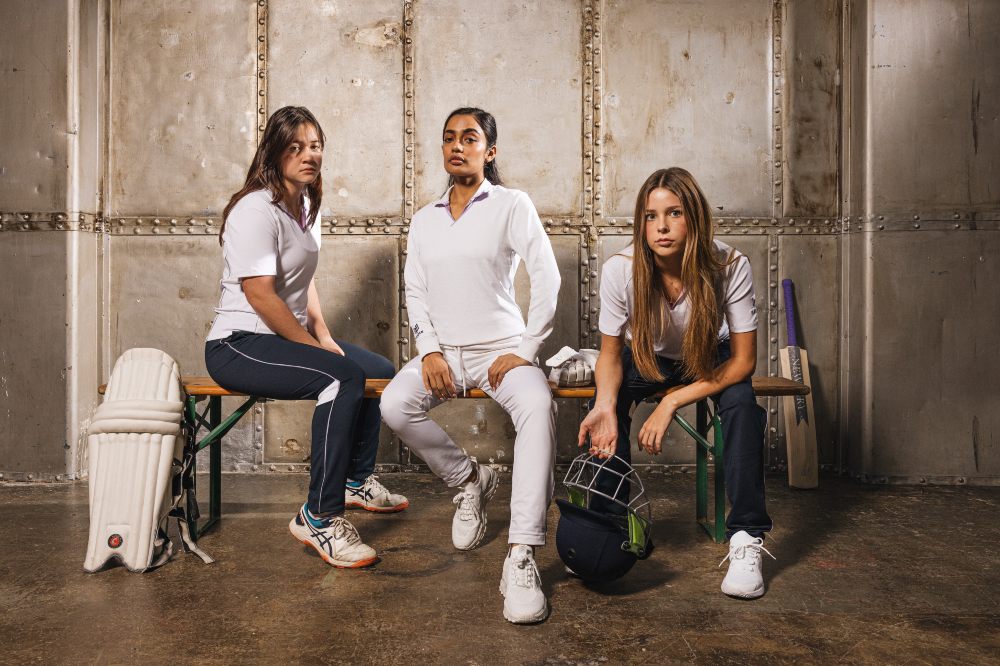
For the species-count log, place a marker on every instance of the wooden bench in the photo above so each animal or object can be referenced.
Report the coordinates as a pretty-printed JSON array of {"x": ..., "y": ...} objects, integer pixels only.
[{"x": 215, "y": 428}]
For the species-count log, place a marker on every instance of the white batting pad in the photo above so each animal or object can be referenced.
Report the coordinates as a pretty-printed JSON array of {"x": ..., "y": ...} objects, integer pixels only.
[{"x": 132, "y": 442}]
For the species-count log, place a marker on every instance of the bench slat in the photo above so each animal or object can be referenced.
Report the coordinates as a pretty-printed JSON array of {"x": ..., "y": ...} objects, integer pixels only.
[{"x": 762, "y": 386}]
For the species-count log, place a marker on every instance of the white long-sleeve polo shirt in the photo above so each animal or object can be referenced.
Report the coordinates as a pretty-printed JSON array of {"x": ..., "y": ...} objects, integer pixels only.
[{"x": 460, "y": 273}]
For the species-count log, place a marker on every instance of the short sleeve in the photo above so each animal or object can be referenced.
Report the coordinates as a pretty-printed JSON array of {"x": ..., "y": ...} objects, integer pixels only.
[
  {"x": 741, "y": 302},
  {"x": 251, "y": 240},
  {"x": 614, "y": 304}
]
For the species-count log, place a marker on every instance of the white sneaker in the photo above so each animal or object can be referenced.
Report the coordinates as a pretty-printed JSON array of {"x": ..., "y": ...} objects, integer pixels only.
[
  {"x": 373, "y": 496},
  {"x": 521, "y": 587},
  {"x": 744, "y": 578},
  {"x": 468, "y": 527},
  {"x": 336, "y": 540}
]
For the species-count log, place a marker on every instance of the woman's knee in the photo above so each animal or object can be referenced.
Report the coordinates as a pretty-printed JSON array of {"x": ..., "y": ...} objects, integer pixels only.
[
  {"x": 737, "y": 396},
  {"x": 397, "y": 404}
]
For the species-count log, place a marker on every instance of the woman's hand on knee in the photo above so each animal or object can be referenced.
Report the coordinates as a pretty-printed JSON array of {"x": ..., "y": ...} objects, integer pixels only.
[
  {"x": 328, "y": 343},
  {"x": 601, "y": 424},
  {"x": 501, "y": 366},
  {"x": 438, "y": 379},
  {"x": 655, "y": 428}
]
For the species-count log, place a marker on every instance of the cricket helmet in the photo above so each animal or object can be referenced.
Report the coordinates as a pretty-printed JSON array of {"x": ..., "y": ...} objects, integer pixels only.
[{"x": 603, "y": 545}]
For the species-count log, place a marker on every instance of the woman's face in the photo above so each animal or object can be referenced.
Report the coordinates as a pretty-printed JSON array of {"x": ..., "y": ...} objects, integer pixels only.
[
  {"x": 665, "y": 224},
  {"x": 303, "y": 158},
  {"x": 464, "y": 149}
]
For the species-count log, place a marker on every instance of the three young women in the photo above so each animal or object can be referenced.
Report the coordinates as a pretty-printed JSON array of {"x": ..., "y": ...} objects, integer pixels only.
[
  {"x": 269, "y": 337},
  {"x": 677, "y": 307},
  {"x": 462, "y": 253}
]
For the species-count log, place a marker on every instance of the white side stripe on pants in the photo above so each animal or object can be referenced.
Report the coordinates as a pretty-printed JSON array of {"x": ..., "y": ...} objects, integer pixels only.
[{"x": 329, "y": 394}]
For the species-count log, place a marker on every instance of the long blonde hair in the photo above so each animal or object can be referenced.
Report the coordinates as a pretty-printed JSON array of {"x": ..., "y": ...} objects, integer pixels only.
[{"x": 701, "y": 276}]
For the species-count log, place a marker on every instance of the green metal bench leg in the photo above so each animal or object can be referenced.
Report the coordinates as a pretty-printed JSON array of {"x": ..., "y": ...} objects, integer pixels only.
[
  {"x": 217, "y": 429},
  {"x": 214, "y": 465},
  {"x": 717, "y": 528},
  {"x": 720, "y": 483}
]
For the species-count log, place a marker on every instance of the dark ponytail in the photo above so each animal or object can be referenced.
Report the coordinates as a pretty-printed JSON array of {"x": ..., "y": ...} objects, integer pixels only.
[{"x": 488, "y": 124}]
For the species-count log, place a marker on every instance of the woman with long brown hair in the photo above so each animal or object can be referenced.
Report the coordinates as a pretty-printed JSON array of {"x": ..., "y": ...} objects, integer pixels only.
[
  {"x": 677, "y": 308},
  {"x": 269, "y": 338}
]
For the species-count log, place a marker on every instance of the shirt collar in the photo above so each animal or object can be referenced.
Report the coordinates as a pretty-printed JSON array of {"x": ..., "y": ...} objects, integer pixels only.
[{"x": 484, "y": 191}]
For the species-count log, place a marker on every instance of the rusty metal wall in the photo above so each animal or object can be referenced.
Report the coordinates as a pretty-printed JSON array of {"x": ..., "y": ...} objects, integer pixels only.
[
  {"x": 922, "y": 223},
  {"x": 810, "y": 125}
]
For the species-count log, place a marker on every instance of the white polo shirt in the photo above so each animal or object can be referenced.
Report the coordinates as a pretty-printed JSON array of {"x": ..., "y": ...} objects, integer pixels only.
[
  {"x": 261, "y": 238},
  {"x": 460, "y": 273},
  {"x": 618, "y": 301}
]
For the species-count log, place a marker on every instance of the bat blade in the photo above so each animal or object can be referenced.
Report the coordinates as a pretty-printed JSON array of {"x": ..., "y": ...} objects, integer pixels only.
[{"x": 800, "y": 434}]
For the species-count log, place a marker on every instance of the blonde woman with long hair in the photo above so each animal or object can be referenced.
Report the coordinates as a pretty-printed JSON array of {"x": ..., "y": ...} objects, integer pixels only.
[{"x": 677, "y": 308}]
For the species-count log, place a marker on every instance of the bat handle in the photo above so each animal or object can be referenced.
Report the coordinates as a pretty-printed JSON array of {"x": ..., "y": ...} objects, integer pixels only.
[{"x": 786, "y": 284}]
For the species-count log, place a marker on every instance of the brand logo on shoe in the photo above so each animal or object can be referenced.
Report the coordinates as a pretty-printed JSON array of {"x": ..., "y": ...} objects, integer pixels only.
[{"x": 115, "y": 540}]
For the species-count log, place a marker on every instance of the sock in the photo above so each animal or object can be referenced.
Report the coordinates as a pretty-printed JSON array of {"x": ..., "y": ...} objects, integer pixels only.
[
  {"x": 354, "y": 484},
  {"x": 313, "y": 520}
]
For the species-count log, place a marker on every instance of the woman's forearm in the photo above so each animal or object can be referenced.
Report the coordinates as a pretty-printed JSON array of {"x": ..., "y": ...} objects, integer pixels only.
[
  {"x": 730, "y": 372},
  {"x": 608, "y": 373},
  {"x": 314, "y": 313},
  {"x": 274, "y": 312}
]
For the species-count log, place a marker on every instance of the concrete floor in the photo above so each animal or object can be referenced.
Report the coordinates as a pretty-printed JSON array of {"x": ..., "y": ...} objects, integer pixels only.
[{"x": 864, "y": 575}]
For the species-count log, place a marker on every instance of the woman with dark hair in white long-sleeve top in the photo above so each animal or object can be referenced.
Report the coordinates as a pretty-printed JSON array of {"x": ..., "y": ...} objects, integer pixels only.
[{"x": 462, "y": 253}]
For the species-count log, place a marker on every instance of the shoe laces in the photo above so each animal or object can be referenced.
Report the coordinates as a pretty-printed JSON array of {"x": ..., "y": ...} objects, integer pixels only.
[
  {"x": 466, "y": 501},
  {"x": 749, "y": 551},
  {"x": 344, "y": 531},
  {"x": 375, "y": 485},
  {"x": 525, "y": 572}
]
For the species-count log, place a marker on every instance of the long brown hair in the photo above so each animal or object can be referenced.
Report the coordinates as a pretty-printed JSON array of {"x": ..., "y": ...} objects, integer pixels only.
[
  {"x": 701, "y": 276},
  {"x": 265, "y": 170}
]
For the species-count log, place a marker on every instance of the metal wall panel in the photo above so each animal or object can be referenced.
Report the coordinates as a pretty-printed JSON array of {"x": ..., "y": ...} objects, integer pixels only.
[
  {"x": 357, "y": 281},
  {"x": 689, "y": 84},
  {"x": 465, "y": 57},
  {"x": 813, "y": 264},
  {"x": 33, "y": 354},
  {"x": 33, "y": 79},
  {"x": 163, "y": 295},
  {"x": 811, "y": 85},
  {"x": 934, "y": 93},
  {"x": 935, "y": 368},
  {"x": 344, "y": 62},
  {"x": 183, "y": 115}
]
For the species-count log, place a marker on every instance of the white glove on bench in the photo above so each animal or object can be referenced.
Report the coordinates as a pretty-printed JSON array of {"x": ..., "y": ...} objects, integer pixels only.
[{"x": 571, "y": 368}]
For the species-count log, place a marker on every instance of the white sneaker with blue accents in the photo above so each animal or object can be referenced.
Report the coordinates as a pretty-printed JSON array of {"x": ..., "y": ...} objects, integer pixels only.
[
  {"x": 373, "y": 496},
  {"x": 335, "y": 539}
]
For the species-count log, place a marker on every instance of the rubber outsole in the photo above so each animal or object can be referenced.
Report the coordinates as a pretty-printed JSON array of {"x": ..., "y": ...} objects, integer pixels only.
[
  {"x": 490, "y": 491},
  {"x": 372, "y": 509}
]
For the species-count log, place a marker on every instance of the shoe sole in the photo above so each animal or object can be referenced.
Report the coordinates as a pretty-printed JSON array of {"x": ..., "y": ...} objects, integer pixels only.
[
  {"x": 489, "y": 492},
  {"x": 340, "y": 564},
  {"x": 375, "y": 509},
  {"x": 756, "y": 594},
  {"x": 531, "y": 620}
]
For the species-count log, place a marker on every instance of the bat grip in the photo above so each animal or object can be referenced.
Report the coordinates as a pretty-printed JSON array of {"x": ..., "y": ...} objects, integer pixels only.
[{"x": 786, "y": 284}]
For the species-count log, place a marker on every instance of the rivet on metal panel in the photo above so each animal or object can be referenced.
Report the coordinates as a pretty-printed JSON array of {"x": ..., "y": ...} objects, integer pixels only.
[{"x": 916, "y": 217}]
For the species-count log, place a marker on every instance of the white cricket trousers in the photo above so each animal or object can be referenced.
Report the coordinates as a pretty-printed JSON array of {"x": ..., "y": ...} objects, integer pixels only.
[{"x": 524, "y": 394}]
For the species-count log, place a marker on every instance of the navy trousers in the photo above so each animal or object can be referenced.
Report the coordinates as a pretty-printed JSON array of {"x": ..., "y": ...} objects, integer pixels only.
[
  {"x": 345, "y": 430},
  {"x": 743, "y": 422}
]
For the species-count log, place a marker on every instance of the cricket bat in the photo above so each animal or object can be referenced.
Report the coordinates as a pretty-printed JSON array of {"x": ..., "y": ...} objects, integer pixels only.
[{"x": 800, "y": 419}]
